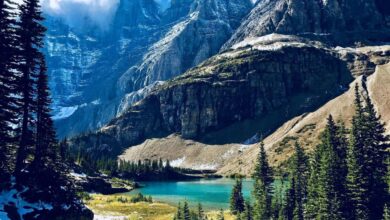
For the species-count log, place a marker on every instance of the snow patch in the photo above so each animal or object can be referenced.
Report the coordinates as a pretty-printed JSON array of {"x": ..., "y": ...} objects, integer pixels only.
[
  {"x": 65, "y": 112},
  {"x": 13, "y": 197},
  {"x": 205, "y": 167},
  {"x": 107, "y": 217},
  {"x": 178, "y": 162}
]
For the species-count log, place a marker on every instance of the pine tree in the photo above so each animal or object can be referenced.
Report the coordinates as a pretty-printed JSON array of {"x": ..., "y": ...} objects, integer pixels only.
[
  {"x": 179, "y": 213},
  {"x": 200, "y": 212},
  {"x": 332, "y": 173},
  {"x": 186, "y": 212},
  {"x": 248, "y": 211},
  {"x": 45, "y": 134},
  {"x": 30, "y": 36},
  {"x": 262, "y": 192},
  {"x": 237, "y": 198},
  {"x": 8, "y": 78},
  {"x": 312, "y": 206},
  {"x": 290, "y": 204},
  {"x": 299, "y": 174},
  {"x": 375, "y": 168},
  {"x": 357, "y": 181}
]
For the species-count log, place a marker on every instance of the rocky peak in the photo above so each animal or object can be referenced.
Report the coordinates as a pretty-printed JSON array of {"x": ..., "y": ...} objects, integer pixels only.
[{"x": 313, "y": 17}]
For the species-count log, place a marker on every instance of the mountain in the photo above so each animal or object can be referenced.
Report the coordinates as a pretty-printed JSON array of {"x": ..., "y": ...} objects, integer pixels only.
[
  {"x": 334, "y": 21},
  {"x": 275, "y": 68},
  {"x": 100, "y": 69}
]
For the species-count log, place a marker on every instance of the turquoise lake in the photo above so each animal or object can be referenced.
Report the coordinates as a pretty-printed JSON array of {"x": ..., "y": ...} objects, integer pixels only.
[{"x": 212, "y": 193}]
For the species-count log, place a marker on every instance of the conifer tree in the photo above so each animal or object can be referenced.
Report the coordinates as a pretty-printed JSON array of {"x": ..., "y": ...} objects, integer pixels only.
[
  {"x": 200, "y": 212},
  {"x": 312, "y": 206},
  {"x": 179, "y": 213},
  {"x": 248, "y": 211},
  {"x": 299, "y": 174},
  {"x": 262, "y": 192},
  {"x": 290, "y": 204},
  {"x": 8, "y": 78},
  {"x": 376, "y": 145},
  {"x": 186, "y": 211},
  {"x": 237, "y": 198},
  {"x": 30, "y": 36},
  {"x": 45, "y": 134},
  {"x": 357, "y": 181},
  {"x": 332, "y": 173}
]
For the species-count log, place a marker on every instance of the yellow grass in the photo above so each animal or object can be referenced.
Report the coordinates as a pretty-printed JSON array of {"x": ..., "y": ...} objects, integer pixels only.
[
  {"x": 110, "y": 206},
  {"x": 114, "y": 205}
]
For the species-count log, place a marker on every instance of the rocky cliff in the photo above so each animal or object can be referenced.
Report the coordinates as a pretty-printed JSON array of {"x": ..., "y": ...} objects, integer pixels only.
[
  {"x": 339, "y": 22},
  {"x": 93, "y": 71},
  {"x": 230, "y": 88}
]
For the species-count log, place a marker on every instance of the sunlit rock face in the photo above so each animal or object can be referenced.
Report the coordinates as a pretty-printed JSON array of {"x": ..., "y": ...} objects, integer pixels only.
[{"x": 93, "y": 71}]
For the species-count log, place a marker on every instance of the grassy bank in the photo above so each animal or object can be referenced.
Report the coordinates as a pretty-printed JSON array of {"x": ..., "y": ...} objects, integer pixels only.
[{"x": 129, "y": 207}]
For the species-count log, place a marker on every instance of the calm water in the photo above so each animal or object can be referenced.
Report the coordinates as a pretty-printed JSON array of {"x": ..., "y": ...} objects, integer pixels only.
[{"x": 212, "y": 193}]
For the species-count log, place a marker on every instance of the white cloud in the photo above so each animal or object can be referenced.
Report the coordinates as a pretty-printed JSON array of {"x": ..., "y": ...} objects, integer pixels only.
[{"x": 76, "y": 12}]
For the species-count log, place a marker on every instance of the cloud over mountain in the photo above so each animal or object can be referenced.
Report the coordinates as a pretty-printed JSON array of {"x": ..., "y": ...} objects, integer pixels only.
[{"x": 76, "y": 12}]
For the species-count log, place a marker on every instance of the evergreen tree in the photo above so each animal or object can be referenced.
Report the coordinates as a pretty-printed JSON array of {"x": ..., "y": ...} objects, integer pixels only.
[
  {"x": 358, "y": 182},
  {"x": 376, "y": 144},
  {"x": 290, "y": 204},
  {"x": 312, "y": 204},
  {"x": 200, "y": 212},
  {"x": 262, "y": 192},
  {"x": 179, "y": 213},
  {"x": 332, "y": 173},
  {"x": 186, "y": 212},
  {"x": 237, "y": 198},
  {"x": 45, "y": 134},
  {"x": 8, "y": 78},
  {"x": 30, "y": 36},
  {"x": 8, "y": 84},
  {"x": 248, "y": 211},
  {"x": 299, "y": 174}
]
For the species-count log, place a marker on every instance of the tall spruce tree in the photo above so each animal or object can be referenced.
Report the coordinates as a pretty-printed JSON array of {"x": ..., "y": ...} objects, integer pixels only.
[
  {"x": 262, "y": 192},
  {"x": 248, "y": 211},
  {"x": 8, "y": 78},
  {"x": 376, "y": 144},
  {"x": 45, "y": 148},
  {"x": 332, "y": 173},
  {"x": 312, "y": 206},
  {"x": 30, "y": 37},
  {"x": 186, "y": 211},
  {"x": 237, "y": 199},
  {"x": 299, "y": 174},
  {"x": 357, "y": 181},
  {"x": 200, "y": 212}
]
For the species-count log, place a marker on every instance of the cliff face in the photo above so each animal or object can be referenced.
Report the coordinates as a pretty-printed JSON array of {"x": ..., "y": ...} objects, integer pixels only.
[
  {"x": 229, "y": 88},
  {"x": 339, "y": 21},
  {"x": 207, "y": 25},
  {"x": 93, "y": 72}
]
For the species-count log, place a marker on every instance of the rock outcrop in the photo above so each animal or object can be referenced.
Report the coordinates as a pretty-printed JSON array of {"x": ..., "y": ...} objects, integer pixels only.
[
  {"x": 230, "y": 88},
  {"x": 341, "y": 22}
]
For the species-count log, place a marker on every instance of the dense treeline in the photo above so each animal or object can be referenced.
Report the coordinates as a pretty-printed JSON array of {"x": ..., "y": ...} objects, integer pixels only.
[
  {"x": 345, "y": 178},
  {"x": 29, "y": 151},
  {"x": 138, "y": 171}
]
